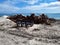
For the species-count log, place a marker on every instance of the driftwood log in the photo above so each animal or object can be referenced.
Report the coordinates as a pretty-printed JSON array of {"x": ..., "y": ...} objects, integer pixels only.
[{"x": 30, "y": 20}]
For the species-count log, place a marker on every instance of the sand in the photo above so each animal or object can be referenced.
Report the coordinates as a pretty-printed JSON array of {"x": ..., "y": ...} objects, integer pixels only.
[{"x": 38, "y": 34}]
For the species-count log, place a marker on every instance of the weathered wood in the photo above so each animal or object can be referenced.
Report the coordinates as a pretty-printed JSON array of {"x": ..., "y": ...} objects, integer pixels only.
[
  {"x": 24, "y": 22},
  {"x": 30, "y": 20}
]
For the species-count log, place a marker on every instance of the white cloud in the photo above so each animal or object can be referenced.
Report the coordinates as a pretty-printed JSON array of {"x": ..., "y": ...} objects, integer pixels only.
[
  {"x": 36, "y": 7},
  {"x": 8, "y": 8},
  {"x": 19, "y": 1},
  {"x": 11, "y": 2},
  {"x": 31, "y": 1},
  {"x": 53, "y": 6}
]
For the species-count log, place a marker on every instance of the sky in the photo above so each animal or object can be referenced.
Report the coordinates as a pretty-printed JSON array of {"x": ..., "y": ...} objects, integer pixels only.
[{"x": 29, "y": 6}]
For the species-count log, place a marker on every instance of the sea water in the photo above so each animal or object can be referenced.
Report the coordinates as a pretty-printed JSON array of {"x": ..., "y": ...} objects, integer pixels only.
[{"x": 50, "y": 15}]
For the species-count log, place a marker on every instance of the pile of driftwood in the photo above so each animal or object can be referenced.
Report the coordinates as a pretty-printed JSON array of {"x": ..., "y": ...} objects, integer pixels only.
[{"x": 30, "y": 20}]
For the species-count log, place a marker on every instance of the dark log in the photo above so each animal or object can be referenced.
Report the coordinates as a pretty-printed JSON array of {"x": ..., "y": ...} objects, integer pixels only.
[{"x": 30, "y": 20}]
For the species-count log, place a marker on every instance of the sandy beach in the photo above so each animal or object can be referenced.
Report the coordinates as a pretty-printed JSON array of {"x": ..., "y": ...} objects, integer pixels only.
[
  {"x": 29, "y": 22},
  {"x": 38, "y": 34}
]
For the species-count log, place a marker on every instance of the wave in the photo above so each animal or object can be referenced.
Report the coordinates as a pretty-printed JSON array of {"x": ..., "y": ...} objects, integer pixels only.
[{"x": 5, "y": 16}]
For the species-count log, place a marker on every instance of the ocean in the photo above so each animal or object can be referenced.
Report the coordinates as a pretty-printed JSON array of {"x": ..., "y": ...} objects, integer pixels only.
[{"x": 50, "y": 15}]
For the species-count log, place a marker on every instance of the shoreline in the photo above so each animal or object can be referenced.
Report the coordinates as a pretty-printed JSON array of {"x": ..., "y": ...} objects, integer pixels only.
[{"x": 38, "y": 34}]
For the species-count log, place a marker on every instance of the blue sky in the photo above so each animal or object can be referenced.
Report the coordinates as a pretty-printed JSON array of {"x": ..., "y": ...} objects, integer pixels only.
[{"x": 29, "y": 6}]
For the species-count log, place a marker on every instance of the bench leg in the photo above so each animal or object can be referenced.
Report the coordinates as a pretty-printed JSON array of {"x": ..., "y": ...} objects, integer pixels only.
[
  {"x": 21, "y": 24},
  {"x": 17, "y": 25},
  {"x": 31, "y": 24},
  {"x": 25, "y": 24}
]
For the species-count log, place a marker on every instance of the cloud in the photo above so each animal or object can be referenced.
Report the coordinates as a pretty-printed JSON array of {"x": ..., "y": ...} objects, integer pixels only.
[
  {"x": 11, "y": 2},
  {"x": 43, "y": 5},
  {"x": 19, "y": 1},
  {"x": 8, "y": 7},
  {"x": 31, "y": 1},
  {"x": 54, "y": 4},
  {"x": 49, "y": 7}
]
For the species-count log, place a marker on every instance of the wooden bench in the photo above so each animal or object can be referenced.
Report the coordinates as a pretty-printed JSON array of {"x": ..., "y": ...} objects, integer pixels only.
[{"x": 24, "y": 23}]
